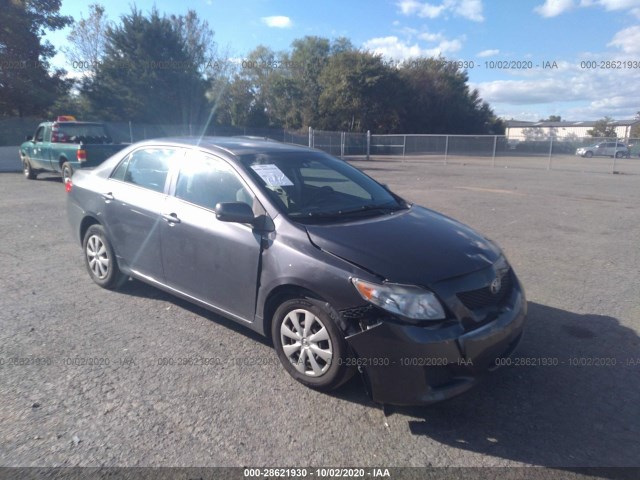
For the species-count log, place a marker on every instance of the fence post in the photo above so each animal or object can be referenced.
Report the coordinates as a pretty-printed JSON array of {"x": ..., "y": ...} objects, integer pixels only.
[
  {"x": 342, "y": 140},
  {"x": 446, "y": 148},
  {"x": 130, "y": 132},
  {"x": 404, "y": 145},
  {"x": 310, "y": 135},
  {"x": 615, "y": 155},
  {"x": 495, "y": 144},
  {"x": 368, "y": 143},
  {"x": 550, "y": 152}
]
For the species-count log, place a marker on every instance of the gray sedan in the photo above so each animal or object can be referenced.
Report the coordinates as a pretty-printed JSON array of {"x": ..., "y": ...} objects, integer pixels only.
[{"x": 342, "y": 274}]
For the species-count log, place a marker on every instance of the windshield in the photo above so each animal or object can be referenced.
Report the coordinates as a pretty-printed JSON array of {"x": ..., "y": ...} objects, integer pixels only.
[{"x": 314, "y": 185}]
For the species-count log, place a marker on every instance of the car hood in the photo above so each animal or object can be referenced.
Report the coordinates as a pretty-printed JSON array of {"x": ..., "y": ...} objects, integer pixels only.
[{"x": 416, "y": 246}]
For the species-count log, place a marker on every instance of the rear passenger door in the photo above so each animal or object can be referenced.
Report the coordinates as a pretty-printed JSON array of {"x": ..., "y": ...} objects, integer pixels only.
[
  {"x": 215, "y": 262},
  {"x": 134, "y": 203}
]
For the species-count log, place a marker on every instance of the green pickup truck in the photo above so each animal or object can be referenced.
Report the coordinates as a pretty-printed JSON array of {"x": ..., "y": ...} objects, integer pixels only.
[{"x": 65, "y": 145}]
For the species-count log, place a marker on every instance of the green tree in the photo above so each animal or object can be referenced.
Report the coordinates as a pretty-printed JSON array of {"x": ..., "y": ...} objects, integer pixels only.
[
  {"x": 87, "y": 41},
  {"x": 603, "y": 128},
  {"x": 27, "y": 86},
  {"x": 552, "y": 118},
  {"x": 308, "y": 58},
  {"x": 198, "y": 38},
  {"x": 357, "y": 93},
  {"x": 148, "y": 74},
  {"x": 437, "y": 99}
]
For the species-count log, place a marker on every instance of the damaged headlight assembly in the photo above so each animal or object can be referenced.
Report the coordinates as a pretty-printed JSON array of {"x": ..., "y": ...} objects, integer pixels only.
[{"x": 408, "y": 301}]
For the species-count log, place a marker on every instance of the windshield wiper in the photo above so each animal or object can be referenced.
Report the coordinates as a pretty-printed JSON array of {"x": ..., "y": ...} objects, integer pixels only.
[{"x": 383, "y": 208}]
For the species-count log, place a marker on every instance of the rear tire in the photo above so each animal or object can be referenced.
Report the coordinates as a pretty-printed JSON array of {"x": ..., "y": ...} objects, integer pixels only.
[
  {"x": 100, "y": 260},
  {"x": 310, "y": 345},
  {"x": 67, "y": 172},
  {"x": 29, "y": 173},
  {"x": 619, "y": 154}
]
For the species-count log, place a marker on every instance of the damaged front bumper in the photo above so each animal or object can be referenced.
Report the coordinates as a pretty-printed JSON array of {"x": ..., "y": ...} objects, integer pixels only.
[{"x": 414, "y": 365}]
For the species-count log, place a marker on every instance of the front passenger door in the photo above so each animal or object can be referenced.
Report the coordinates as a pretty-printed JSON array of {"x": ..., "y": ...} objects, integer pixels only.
[{"x": 213, "y": 261}]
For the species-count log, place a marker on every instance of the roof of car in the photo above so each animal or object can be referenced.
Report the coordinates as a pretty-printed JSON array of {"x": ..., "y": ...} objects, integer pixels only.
[{"x": 233, "y": 145}]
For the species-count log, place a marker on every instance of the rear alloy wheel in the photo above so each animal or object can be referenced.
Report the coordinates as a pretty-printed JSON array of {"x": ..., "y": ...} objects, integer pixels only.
[
  {"x": 310, "y": 345},
  {"x": 100, "y": 259},
  {"x": 29, "y": 173},
  {"x": 67, "y": 172}
]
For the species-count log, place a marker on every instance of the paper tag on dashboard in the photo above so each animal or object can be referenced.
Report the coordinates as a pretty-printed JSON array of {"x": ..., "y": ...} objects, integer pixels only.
[{"x": 272, "y": 175}]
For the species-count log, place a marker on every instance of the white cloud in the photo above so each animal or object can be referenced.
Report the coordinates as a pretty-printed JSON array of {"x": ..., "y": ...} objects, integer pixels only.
[
  {"x": 627, "y": 40},
  {"x": 488, "y": 53},
  {"x": 553, "y": 8},
  {"x": 394, "y": 48},
  {"x": 431, "y": 37},
  {"x": 277, "y": 21},
  {"x": 469, "y": 9},
  {"x": 570, "y": 91}
]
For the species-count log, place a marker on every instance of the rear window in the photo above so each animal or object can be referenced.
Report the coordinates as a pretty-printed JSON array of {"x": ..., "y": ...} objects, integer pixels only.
[{"x": 80, "y": 133}]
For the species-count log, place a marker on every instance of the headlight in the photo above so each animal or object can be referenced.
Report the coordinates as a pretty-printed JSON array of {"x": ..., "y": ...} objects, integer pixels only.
[{"x": 411, "y": 302}]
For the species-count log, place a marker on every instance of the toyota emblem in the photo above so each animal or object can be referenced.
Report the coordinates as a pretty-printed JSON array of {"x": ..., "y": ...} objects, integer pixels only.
[{"x": 495, "y": 286}]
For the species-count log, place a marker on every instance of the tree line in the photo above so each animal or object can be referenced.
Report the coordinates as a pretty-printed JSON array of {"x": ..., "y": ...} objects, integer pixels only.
[{"x": 157, "y": 68}]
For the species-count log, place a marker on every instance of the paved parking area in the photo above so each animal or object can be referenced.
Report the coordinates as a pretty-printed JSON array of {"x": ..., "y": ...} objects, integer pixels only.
[{"x": 138, "y": 378}]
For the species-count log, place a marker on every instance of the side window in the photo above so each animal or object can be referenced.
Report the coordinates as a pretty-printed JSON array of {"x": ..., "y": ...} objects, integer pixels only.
[
  {"x": 148, "y": 167},
  {"x": 39, "y": 136},
  {"x": 207, "y": 181},
  {"x": 121, "y": 169}
]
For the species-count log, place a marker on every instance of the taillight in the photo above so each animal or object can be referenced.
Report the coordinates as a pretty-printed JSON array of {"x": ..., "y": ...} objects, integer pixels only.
[
  {"x": 68, "y": 185},
  {"x": 81, "y": 155}
]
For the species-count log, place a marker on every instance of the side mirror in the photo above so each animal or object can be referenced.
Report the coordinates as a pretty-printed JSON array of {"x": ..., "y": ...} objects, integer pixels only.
[
  {"x": 28, "y": 138},
  {"x": 235, "y": 212}
]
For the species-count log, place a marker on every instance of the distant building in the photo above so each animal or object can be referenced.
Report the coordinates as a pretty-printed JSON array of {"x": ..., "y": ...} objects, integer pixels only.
[{"x": 518, "y": 130}]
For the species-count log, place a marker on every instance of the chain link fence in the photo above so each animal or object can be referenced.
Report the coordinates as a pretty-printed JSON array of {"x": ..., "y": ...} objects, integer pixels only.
[{"x": 606, "y": 155}]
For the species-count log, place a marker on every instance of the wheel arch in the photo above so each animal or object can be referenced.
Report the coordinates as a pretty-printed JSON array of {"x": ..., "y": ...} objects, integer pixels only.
[
  {"x": 279, "y": 295},
  {"x": 85, "y": 224}
]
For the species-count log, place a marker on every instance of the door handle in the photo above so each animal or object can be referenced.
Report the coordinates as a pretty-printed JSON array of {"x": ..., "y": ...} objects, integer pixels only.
[
  {"x": 171, "y": 218},
  {"x": 108, "y": 197}
]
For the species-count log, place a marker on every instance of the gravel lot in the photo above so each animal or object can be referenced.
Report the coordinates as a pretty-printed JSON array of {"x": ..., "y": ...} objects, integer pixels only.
[{"x": 572, "y": 237}]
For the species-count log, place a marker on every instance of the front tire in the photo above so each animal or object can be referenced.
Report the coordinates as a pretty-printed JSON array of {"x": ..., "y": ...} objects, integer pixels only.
[
  {"x": 100, "y": 260},
  {"x": 310, "y": 345},
  {"x": 29, "y": 173},
  {"x": 588, "y": 154}
]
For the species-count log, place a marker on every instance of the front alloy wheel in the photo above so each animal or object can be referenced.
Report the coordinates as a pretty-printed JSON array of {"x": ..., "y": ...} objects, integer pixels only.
[
  {"x": 306, "y": 342},
  {"x": 310, "y": 345}
]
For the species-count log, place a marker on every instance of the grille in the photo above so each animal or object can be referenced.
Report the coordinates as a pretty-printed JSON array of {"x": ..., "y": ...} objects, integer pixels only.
[
  {"x": 483, "y": 298},
  {"x": 357, "y": 312}
]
